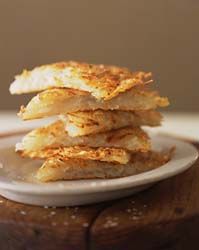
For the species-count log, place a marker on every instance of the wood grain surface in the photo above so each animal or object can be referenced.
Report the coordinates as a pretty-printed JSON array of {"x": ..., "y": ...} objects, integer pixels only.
[{"x": 163, "y": 217}]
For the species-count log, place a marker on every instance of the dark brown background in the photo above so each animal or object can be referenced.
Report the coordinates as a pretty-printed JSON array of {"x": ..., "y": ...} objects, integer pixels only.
[{"x": 161, "y": 36}]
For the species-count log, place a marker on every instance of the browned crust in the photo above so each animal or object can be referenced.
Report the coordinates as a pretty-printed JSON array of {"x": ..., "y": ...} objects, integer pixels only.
[
  {"x": 109, "y": 81},
  {"x": 92, "y": 122},
  {"x": 63, "y": 96},
  {"x": 116, "y": 155},
  {"x": 58, "y": 168},
  {"x": 55, "y": 136}
]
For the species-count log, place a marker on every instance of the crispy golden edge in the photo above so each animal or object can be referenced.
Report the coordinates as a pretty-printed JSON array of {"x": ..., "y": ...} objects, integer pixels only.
[
  {"x": 92, "y": 122},
  {"x": 61, "y": 95},
  {"x": 81, "y": 152},
  {"x": 109, "y": 80},
  {"x": 155, "y": 156},
  {"x": 58, "y": 168},
  {"x": 56, "y": 132}
]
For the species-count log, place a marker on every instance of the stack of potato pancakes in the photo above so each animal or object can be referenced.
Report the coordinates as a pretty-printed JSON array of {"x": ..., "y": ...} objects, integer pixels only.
[{"x": 100, "y": 113}]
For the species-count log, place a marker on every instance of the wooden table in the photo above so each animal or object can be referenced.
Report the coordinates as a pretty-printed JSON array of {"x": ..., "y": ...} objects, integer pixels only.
[{"x": 164, "y": 217}]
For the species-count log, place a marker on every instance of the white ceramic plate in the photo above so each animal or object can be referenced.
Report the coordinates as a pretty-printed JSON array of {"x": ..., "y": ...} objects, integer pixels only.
[{"x": 17, "y": 177}]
